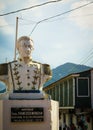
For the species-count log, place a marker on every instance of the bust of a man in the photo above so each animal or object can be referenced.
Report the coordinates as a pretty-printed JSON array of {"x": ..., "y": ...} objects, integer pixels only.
[{"x": 24, "y": 74}]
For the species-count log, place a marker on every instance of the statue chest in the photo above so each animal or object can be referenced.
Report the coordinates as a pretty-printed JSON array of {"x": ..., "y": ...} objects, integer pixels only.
[{"x": 25, "y": 77}]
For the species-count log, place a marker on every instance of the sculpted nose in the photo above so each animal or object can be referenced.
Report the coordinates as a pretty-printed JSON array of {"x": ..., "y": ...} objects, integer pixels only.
[{"x": 28, "y": 48}]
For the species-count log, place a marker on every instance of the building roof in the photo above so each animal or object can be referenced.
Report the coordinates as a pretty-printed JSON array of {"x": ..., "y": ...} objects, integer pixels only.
[{"x": 65, "y": 70}]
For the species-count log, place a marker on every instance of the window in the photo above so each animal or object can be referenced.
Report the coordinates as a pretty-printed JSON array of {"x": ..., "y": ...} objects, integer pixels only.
[
  {"x": 57, "y": 93},
  {"x": 82, "y": 87},
  {"x": 61, "y": 94},
  {"x": 71, "y": 92},
  {"x": 53, "y": 93},
  {"x": 65, "y": 94}
]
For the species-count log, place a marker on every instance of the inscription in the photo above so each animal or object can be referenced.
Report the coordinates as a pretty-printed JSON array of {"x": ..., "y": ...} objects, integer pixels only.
[{"x": 27, "y": 114}]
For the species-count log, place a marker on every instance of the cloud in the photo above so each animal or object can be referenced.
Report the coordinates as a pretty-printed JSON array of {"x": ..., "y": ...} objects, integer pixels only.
[
  {"x": 5, "y": 4},
  {"x": 2, "y": 6},
  {"x": 8, "y": 6},
  {"x": 82, "y": 17},
  {"x": 35, "y": 13},
  {"x": 5, "y": 27}
]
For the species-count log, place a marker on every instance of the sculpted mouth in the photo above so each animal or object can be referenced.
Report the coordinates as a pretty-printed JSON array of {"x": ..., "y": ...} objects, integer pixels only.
[{"x": 27, "y": 52}]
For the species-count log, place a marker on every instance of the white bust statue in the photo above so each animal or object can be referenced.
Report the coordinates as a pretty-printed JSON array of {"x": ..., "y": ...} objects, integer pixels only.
[{"x": 24, "y": 74}]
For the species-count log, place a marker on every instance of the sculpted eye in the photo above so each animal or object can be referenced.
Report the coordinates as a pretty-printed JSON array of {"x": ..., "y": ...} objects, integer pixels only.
[
  {"x": 29, "y": 46},
  {"x": 25, "y": 44}
]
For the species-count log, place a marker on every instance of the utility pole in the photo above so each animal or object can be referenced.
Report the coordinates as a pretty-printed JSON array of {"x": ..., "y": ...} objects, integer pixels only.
[{"x": 16, "y": 37}]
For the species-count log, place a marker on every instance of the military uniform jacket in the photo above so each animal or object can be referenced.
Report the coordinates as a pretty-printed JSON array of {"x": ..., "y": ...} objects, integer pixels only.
[{"x": 20, "y": 76}]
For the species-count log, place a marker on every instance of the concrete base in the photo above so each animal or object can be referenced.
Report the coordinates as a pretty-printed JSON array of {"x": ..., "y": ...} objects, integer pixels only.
[
  {"x": 26, "y": 96},
  {"x": 51, "y": 116}
]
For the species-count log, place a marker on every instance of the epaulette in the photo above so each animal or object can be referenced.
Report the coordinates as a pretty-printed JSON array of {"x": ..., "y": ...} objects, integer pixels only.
[
  {"x": 13, "y": 61},
  {"x": 4, "y": 69},
  {"x": 36, "y": 62}
]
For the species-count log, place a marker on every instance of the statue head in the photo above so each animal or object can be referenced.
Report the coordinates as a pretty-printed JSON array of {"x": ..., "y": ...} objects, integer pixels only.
[{"x": 24, "y": 46}]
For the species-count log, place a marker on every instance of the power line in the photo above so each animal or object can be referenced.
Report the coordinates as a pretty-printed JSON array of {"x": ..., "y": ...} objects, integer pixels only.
[
  {"x": 28, "y": 20},
  {"x": 34, "y": 22},
  {"x": 34, "y": 6},
  {"x": 59, "y": 15},
  {"x": 88, "y": 57},
  {"x": 84, "y": 60},
  {"x": 37, "y": 23},
  {"x": 31, "y": 22}
]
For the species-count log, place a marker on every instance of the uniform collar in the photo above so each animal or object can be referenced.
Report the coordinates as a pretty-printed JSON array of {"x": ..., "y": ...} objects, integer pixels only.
[{"x": 21, "y": 61}]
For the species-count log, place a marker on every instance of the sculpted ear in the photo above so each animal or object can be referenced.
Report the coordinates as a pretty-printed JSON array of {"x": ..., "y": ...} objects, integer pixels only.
[{"x": 47, "y": 69}]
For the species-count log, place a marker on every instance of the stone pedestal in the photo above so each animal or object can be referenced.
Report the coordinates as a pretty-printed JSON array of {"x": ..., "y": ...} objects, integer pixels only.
[{"x": 29, "y": 115}]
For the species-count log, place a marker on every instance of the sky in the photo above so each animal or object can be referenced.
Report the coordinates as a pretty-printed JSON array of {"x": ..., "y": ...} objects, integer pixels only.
[{"x": 68, "y": 37}]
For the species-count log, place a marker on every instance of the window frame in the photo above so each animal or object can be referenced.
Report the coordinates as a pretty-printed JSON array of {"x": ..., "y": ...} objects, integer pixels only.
[{"x": 78, "y": 95}]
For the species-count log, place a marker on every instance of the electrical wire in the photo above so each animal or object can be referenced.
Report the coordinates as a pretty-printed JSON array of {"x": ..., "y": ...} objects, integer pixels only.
[
  {"x": 66, "y": 12},
  {"x": 34, "y": 6},
  {"x": 88, "y": 57},
  {"x": 34, "y": 22},
  {"x": 37, "y": 23},
  {"x": 84, "y": 60},
  {"x": 27, "y": 20}
]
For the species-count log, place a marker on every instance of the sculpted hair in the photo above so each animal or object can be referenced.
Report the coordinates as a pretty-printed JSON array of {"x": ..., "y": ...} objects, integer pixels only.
[{"x": 23, "y": 38}]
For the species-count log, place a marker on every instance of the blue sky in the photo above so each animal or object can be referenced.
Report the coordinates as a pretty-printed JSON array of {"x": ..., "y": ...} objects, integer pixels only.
[{"x": 68, "y": 38}]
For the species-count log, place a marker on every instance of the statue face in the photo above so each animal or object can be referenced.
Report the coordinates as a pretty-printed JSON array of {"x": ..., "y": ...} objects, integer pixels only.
[{"x": 25, "y": 48}]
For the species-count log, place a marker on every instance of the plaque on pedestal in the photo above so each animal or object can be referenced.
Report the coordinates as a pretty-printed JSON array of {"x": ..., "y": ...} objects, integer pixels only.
[{"x": 29, "y": 115}]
